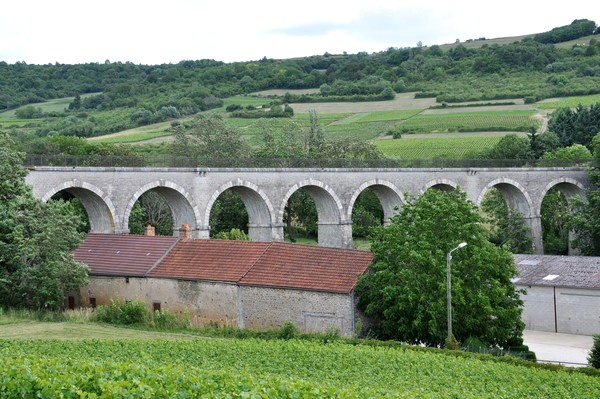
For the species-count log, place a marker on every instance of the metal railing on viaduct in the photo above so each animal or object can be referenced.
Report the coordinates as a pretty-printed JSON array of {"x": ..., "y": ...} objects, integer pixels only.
[{"x": 188, "y": 162}]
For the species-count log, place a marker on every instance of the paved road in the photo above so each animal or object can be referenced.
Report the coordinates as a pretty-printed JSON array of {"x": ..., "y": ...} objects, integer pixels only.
[{"x": 567, "y": 349}]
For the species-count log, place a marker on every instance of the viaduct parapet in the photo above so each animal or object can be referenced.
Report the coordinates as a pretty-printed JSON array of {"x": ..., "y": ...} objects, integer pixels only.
[{"x": 109, "y": 193}]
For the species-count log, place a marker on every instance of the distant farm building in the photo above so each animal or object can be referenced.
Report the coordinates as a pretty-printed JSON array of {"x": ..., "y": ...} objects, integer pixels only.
[{"x": 563, "y": 293}]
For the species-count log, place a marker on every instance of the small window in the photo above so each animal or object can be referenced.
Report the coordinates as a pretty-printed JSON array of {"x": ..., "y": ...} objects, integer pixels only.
[
  {"x": 126, "y": 280},
  {"x": 156, "y": 306},
  {"x": 71, "y": 302},
  {"x": 93, "y": 302}
]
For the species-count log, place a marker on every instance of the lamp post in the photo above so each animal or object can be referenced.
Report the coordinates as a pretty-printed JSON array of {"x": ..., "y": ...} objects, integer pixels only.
[{"x": 449, "y": 287}]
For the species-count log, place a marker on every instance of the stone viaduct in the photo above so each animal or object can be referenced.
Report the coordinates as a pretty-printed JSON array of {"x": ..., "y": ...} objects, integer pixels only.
[{"x": 109, "y": 193}]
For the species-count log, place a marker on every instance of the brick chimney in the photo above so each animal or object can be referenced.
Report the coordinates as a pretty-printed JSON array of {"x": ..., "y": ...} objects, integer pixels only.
[
  {"x": 150, "y": 231},
  {"x": 185, "y": 232}
]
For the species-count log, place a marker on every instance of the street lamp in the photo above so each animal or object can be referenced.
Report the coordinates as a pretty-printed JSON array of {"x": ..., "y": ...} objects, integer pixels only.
[{"x": 449, "y": 287}]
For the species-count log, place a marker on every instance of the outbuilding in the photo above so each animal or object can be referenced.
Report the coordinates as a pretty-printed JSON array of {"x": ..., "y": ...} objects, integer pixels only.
[
  {"x": 563, "y": 293},
  {"x": 229, "y": 283}
]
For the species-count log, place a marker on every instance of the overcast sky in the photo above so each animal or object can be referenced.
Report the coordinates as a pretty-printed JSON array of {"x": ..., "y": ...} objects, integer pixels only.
[{"x": 169, "y": 31}]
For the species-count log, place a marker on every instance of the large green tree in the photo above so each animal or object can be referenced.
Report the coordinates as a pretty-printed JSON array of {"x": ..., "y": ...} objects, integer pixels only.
[
  {"x": 36, "y": 240},
  {"x": 405, "y": 290}
]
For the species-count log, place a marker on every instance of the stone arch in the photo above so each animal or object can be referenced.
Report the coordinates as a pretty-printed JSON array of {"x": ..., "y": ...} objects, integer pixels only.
[
  {"x": 389, "y": 196},
  {"x": 334, "y": 229},
  {"x": 180, "y": 201},
  {"x": 567, "y": 185},
  {"x": 518, "y": 199},
  {"x": 260, "y": 210},
  {"x": 514, "y": 194},
  {"x": 100, "y": 209},
  {"x": 440, "y": 184}
]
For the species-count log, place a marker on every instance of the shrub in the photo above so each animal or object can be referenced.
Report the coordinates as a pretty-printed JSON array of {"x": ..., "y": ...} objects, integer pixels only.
[
  {"x": 131, "y": 312},
  {"x": 594, "y": 355},
  {"x": 166, "y": 320},
  {"x": 288, "y": 331},
  {"x": 134, "y": 312}
]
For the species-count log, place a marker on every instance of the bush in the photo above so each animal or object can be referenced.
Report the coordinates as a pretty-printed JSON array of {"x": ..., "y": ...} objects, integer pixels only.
[
  {"x": 131, "y": 312},
  {"x": 288, "y": 331},
  {"x": 166, "y": 320},
  {"x": 594, "y": 355}
]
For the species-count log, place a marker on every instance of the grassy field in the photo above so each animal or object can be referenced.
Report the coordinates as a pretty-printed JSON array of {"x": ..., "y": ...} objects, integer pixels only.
[
  {"x": 570, "y": 102},
  {"x": 56, "y": 105},
  {"x": 138, "y": 134},
  {"x": 29, "y": 329}
]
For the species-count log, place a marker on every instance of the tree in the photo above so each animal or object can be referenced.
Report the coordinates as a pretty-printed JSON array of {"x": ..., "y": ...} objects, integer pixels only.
[
  {"x": 233, "y": 234},
  {"x": 405, "y": 290},
  {"x": 151, "y": 209},
  {"x": 208, "y": 136},
  {"x": 576, "y": 152},
  {"x": 556, "y": 215},
  {"x": 585, "y": 220},
  {"x": 36, "y": 240},
  {"x": 228, "y": 213},
  {"x": 511, "y": 146},
  {"x": 594, "y": 355},
  {"x": 507, "y": 226}
]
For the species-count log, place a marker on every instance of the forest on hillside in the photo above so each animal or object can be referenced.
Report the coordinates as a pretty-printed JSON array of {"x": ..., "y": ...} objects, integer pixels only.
[{"x": 534, "y": 68}]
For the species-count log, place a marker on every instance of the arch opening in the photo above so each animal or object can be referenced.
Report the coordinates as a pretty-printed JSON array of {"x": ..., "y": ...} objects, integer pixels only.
[
  {"x": 164, "y": 206},
  {"x": 315, "y": 211},
  {"x": 509, "y": 218},
  {"x": 151, "y": 215},
  {"x": 374, "y": 205},
  {"x": 94, "y": 212},
  {"x": 555, "y": 213},
  {"x": 241, "y": 208}
]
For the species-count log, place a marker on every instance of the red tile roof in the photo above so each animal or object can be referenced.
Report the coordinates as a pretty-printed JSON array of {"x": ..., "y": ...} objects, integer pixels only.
[
  {"x": 308, "y": 267},
  {"x": 217, "y": 260},
  {"x": 267, "y": 264},
  {"x": 122, "y": 254}
]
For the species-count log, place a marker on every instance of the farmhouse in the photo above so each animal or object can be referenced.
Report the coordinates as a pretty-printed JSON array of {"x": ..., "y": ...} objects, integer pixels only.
[
  {"x": 234, "y": 283},
  {"x": 563, "y": 293}
]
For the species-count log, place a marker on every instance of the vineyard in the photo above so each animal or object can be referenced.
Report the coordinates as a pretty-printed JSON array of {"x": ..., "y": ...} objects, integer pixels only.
[
  {"x": 446, "y": 147},
  {"x": 220, "y": 368},
  {"x": 569, "y": 102},
  {"x": 518, "y": 121}
]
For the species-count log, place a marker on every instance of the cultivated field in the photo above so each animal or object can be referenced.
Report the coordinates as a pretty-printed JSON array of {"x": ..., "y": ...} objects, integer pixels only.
[
  {"x": 370, "y": 121},
  {"x": 250, "y": 368}
]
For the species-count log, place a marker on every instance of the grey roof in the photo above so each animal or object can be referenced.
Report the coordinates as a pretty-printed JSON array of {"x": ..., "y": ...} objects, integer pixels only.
[{"x": 558, "y": 271}]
